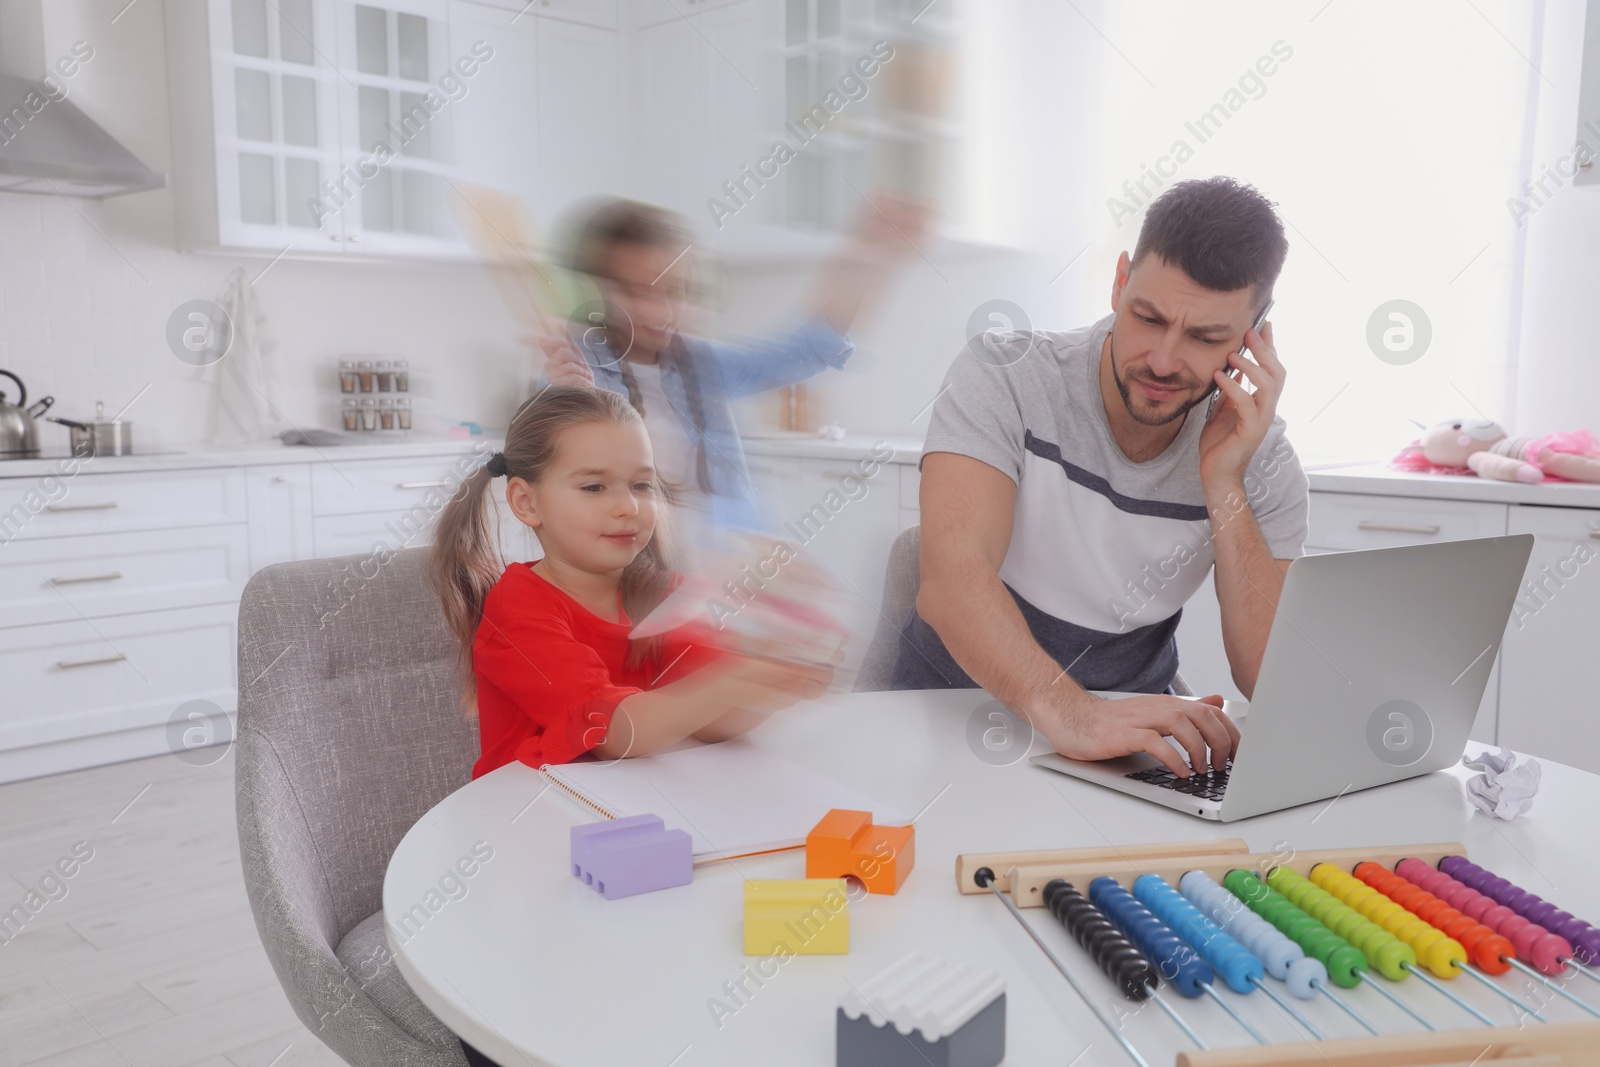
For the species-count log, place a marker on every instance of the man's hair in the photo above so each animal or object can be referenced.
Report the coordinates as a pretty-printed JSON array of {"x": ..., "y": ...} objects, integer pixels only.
[{"x": 1222, "y": 233}]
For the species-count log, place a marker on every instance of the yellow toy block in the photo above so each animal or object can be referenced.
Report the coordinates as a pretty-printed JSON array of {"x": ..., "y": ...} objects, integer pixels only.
[{"x": 797, "y": 917}]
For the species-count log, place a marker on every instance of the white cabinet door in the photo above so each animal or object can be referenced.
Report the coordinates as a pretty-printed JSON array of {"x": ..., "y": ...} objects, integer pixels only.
[
  {"x": 583, "y": 132},
  {"x": 674, "y": 110},
  {"x": 397, "y": 114},
  {"x": 497, "y": 122},
  {"x": 280, "y": 514},
  {"x": 275, "y": 123},
  {"x": 1550, "y": 705}
]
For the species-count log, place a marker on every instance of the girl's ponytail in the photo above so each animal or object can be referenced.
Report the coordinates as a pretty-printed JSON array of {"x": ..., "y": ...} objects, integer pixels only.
[{"x": 463, "y": 566}]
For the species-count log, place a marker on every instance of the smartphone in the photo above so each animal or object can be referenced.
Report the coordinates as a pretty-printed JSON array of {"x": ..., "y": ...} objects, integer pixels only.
[{"x": 1238, "y": 375}]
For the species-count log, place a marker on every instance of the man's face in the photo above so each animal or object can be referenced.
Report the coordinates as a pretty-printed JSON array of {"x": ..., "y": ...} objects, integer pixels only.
[
  {"x": 645, "y": 287},
  {"x": 1170, "y": 336}
]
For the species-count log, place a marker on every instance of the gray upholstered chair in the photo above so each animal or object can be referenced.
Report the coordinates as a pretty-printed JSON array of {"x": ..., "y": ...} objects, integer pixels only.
[
  {"x": 900, "y": 586},
  {"x": 350, "y": 729}
]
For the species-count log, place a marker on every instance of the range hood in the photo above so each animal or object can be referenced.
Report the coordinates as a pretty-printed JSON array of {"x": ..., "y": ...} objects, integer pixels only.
[
  {"x": 60, "y": 149},
  {"x": 47, "y": 144}
]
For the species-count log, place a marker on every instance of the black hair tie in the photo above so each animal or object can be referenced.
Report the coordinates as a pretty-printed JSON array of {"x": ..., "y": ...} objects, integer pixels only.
[{"x": 496, "y": 465}]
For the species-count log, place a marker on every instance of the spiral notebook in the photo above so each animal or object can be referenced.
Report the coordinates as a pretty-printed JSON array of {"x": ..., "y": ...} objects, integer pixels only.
[{"x": 733, "y": 798}]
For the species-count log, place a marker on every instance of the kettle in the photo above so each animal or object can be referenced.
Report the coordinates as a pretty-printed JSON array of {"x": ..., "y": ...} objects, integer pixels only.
[{"x": 19, "y": 433}]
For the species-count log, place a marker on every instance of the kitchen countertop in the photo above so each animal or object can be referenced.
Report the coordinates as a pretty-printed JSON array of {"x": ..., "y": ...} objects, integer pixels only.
[
  {"x": 1379, "y": 479},
  {"x": 1326, "y": 474},
  {"x": 193, "y": 456}
]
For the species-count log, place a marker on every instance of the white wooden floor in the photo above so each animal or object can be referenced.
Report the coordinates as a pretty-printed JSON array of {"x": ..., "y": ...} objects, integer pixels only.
[{"x": 151, "y": 959}]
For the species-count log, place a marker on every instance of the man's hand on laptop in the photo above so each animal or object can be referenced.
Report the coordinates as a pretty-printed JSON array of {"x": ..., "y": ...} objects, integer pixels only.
[{"x": 1099, "y": 728}]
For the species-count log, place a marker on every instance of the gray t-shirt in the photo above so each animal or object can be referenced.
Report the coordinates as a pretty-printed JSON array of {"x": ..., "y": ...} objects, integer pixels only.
[{"x": 1104, "y": 551}]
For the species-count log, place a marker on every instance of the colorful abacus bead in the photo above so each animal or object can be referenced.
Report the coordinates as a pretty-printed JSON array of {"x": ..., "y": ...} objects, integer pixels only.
[
  {"x": 1585, "y": 939},
  {"x": 1391, "y": 956},
  {"x": 1546, "y": 951},
  {"x": 1283, "y": 959},
  {"x": 1177, "y": 962},
  {"x": 1487, "y": 949},
  {"x": 1227, "y": 957},
  {"x": 1442, "y": 955},
  {"x": 1116, "y": 956},
  {"x": 1341, "y": 961}
]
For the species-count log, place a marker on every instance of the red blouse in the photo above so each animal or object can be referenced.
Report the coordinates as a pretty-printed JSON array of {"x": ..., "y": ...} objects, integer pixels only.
[{"x": 551, "y": 673}]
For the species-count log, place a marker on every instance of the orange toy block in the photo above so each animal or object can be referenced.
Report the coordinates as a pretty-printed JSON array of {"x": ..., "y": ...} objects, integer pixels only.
[{"x": 846, "y": 843}]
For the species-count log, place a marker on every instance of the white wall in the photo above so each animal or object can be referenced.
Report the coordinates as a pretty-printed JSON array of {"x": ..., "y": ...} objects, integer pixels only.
[
  {"x": 1558, "y": 380},
  {"x": 86, "y": 286}
]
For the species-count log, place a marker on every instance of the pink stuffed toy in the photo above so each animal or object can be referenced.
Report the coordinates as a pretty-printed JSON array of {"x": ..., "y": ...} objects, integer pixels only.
[{"x": 1481, "y": 447}]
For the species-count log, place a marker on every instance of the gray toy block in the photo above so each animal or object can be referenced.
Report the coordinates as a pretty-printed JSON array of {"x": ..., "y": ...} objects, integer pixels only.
[{"x": 979, "y": 1042}]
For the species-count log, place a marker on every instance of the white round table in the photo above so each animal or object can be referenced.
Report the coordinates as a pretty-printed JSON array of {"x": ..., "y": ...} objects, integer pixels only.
[{"x": 533, "y": 967}]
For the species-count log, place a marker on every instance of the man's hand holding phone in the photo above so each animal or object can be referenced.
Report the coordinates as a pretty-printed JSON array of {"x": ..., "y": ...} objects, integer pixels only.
[{"x": 1240, "y": 418}]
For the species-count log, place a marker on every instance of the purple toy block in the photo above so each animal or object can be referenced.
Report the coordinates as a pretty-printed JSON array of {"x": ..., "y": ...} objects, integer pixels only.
[{"x": 622, "y": 857}]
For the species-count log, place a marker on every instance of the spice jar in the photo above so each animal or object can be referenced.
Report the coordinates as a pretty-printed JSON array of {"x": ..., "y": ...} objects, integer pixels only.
[
  {"x": 402, "y": 376},
  {"x": 347, "y": 376},
  {"x": 350, "y": 411},
  {"x": 386, "y": 414},
  {"x": 369, "y": 414},
  {"x": 365, "y": 374},
  {"x": 385, "y": 376},
  {"x": 402, "y": 412}
]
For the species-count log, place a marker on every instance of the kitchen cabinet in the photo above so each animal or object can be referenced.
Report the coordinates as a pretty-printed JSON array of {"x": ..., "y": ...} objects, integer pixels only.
[
  {"x": 1550, "y": 705},
  {"x": 545, "y": 119},
  {"x": 708, "y": 109},
  {"x": 328, "y": 127},
  {"x": 119, "y": 589}
]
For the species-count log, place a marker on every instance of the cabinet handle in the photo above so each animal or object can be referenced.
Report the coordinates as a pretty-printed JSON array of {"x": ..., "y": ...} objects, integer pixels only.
[
  {"x": 81, "y": 507},
  {"x": 1594, "y": 535},
  {"x": 841, "y": 474},
  {"x": 278, "y": 479},
  {"x": 87, "y": 578},
  {"x": 68, "y": 664},
  {"x": 423, "y": 485},
  {"x": 1427, "y": 530},
  {"x": 353, "y": 238}
]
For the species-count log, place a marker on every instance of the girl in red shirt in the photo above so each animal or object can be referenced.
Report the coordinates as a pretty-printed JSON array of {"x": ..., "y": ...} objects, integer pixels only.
[{"x": 553, "y": 673}]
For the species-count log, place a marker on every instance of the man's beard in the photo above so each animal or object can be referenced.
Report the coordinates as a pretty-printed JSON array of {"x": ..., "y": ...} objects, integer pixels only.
[{"x": 1127, "y": 398}]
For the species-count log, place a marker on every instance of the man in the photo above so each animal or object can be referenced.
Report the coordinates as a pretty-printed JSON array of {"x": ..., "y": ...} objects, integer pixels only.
[{"x": 1075, "y": 494}]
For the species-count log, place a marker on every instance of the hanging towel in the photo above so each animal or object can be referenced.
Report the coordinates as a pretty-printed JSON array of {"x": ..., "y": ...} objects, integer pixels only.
[{"x": 243, "y": 382}]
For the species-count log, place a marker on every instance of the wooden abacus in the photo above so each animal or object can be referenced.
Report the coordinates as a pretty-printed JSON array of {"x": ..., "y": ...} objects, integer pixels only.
[{"x": 1308, "y": 920}]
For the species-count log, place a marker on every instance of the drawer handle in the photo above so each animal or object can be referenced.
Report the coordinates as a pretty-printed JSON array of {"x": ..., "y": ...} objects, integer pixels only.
[
  {"x": 423, "y": 485},
  {"x": 87, "y": 578},
  {"x": 81, "y": 507},
  {"x": 1428, "y": 530},
  {"x": 841, "y": 474},
  {"x": 68, "y": 664}
]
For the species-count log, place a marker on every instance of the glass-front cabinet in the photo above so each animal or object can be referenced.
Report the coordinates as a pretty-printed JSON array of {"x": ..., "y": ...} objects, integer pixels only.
[{"x": 314, "y": 126}]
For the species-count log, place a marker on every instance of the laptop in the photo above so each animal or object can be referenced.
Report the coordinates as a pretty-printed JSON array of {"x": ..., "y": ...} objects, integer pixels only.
[{"x": 1373, "y": 671}]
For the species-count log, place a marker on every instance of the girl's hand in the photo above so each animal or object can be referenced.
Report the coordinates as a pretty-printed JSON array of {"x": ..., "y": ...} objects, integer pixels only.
[
  {"x": 759, "y": 684},
  {"x": 563, "y": 363}
]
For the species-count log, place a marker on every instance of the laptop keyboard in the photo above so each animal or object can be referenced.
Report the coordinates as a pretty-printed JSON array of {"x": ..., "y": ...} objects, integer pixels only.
[{"x": 1208, "y": 786}]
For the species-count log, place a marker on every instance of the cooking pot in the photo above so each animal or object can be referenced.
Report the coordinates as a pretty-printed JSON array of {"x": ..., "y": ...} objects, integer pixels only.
[{"x": 102, "y": 437}]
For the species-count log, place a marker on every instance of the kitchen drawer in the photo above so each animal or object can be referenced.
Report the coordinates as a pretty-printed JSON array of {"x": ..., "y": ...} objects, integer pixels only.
[
  {"x": 64, "y": 578},
  {"x": 58, "y": 506},
  {"x": 349, "y": 535},
  {"x": 389, "y": 487},
  {"x": 70, "y": 680},
  {"x": 1343, "y": 521}
]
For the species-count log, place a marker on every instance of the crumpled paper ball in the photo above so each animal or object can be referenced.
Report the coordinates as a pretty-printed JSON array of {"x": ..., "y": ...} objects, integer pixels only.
[{"x": 1506, "y": 786}]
